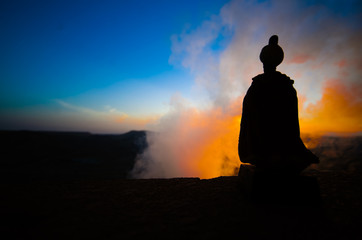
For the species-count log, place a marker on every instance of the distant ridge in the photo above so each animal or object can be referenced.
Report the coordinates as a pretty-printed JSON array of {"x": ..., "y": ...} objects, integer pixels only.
[
  {"x": 64, "y": 155},
  {"x": 131, "y": 132},
  {"x": 43, "y": 132}
]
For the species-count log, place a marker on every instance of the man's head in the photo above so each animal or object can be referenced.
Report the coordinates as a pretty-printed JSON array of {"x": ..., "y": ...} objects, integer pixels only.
[{"x": 271, "y": 55}]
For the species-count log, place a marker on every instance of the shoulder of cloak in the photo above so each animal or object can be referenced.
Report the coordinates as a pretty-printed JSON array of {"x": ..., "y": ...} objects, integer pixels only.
[{"x": 274, "y": 78}]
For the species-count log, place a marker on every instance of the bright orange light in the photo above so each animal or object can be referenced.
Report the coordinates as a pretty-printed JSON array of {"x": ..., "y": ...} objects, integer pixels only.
[
  {"x": 207, "y": 141},
  {"x": 338, "y": 111},
  {"x": 220, "y": 155}
]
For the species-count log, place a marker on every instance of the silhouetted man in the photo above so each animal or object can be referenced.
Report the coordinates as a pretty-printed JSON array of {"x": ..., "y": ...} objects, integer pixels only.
[{"x": 269, "y": 131}]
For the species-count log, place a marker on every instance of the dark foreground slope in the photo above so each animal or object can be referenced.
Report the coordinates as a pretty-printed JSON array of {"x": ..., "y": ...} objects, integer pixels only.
[{"x": 186, "y": 208}]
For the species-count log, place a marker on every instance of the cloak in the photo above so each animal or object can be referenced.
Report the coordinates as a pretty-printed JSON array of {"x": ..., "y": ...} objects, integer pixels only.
[{"x": 269, "y": 130}]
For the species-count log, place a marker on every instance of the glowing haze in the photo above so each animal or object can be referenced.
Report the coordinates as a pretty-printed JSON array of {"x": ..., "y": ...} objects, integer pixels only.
[
  {"x": 187, "y": 89},
  {"x": 322, "y": 54}
]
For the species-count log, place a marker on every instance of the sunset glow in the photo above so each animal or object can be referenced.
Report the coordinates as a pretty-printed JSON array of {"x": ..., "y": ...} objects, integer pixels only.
[
  {"x": 339, "y": 111},
  {"x": 177, "y": 69}
]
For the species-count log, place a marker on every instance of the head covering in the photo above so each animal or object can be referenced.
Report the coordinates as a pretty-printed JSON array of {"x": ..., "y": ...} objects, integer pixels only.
[{"x": 272, "y": 54}]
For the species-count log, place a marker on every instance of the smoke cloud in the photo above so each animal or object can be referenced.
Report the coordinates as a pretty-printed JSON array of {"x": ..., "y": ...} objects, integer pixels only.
[{"x": 322, "y": 54}]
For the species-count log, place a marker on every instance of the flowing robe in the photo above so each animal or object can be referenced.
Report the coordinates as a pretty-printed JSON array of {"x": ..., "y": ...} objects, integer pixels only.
[{"x": 269, "y": 131}]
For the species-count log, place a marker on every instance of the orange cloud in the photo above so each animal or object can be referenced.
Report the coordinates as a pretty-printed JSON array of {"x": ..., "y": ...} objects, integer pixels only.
[
  {"x": 342, "y": 63},
  {"x": 302, "y": 58},
  {"x": 338, "y": 111},
  {"x": 193, "y": 142}
]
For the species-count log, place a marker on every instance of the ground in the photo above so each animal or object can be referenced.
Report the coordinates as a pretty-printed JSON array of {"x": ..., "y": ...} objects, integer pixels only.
[{"x": 178, "y": 208}]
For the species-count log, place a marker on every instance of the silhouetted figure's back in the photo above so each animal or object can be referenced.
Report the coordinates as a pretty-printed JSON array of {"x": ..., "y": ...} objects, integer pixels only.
[{"x": 269, "y": 131}]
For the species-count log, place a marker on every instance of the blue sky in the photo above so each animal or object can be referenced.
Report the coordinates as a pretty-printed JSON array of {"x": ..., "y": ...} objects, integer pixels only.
[
  {"x": 93, "y": 53},
  {"x": 57, "y": 49},
  {"x": 58, "y": 58}
]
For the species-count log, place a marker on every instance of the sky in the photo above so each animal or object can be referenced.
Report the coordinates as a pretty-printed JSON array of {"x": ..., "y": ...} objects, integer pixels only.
[
  {"x": 75, "y": 65},
  {"x": 114, "y": 66}
]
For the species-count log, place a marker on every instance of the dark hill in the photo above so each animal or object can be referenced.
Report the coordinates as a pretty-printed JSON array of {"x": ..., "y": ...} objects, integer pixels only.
[
  {"x": 63, "y": 155},
  {"x": 339, "y": 153}
]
